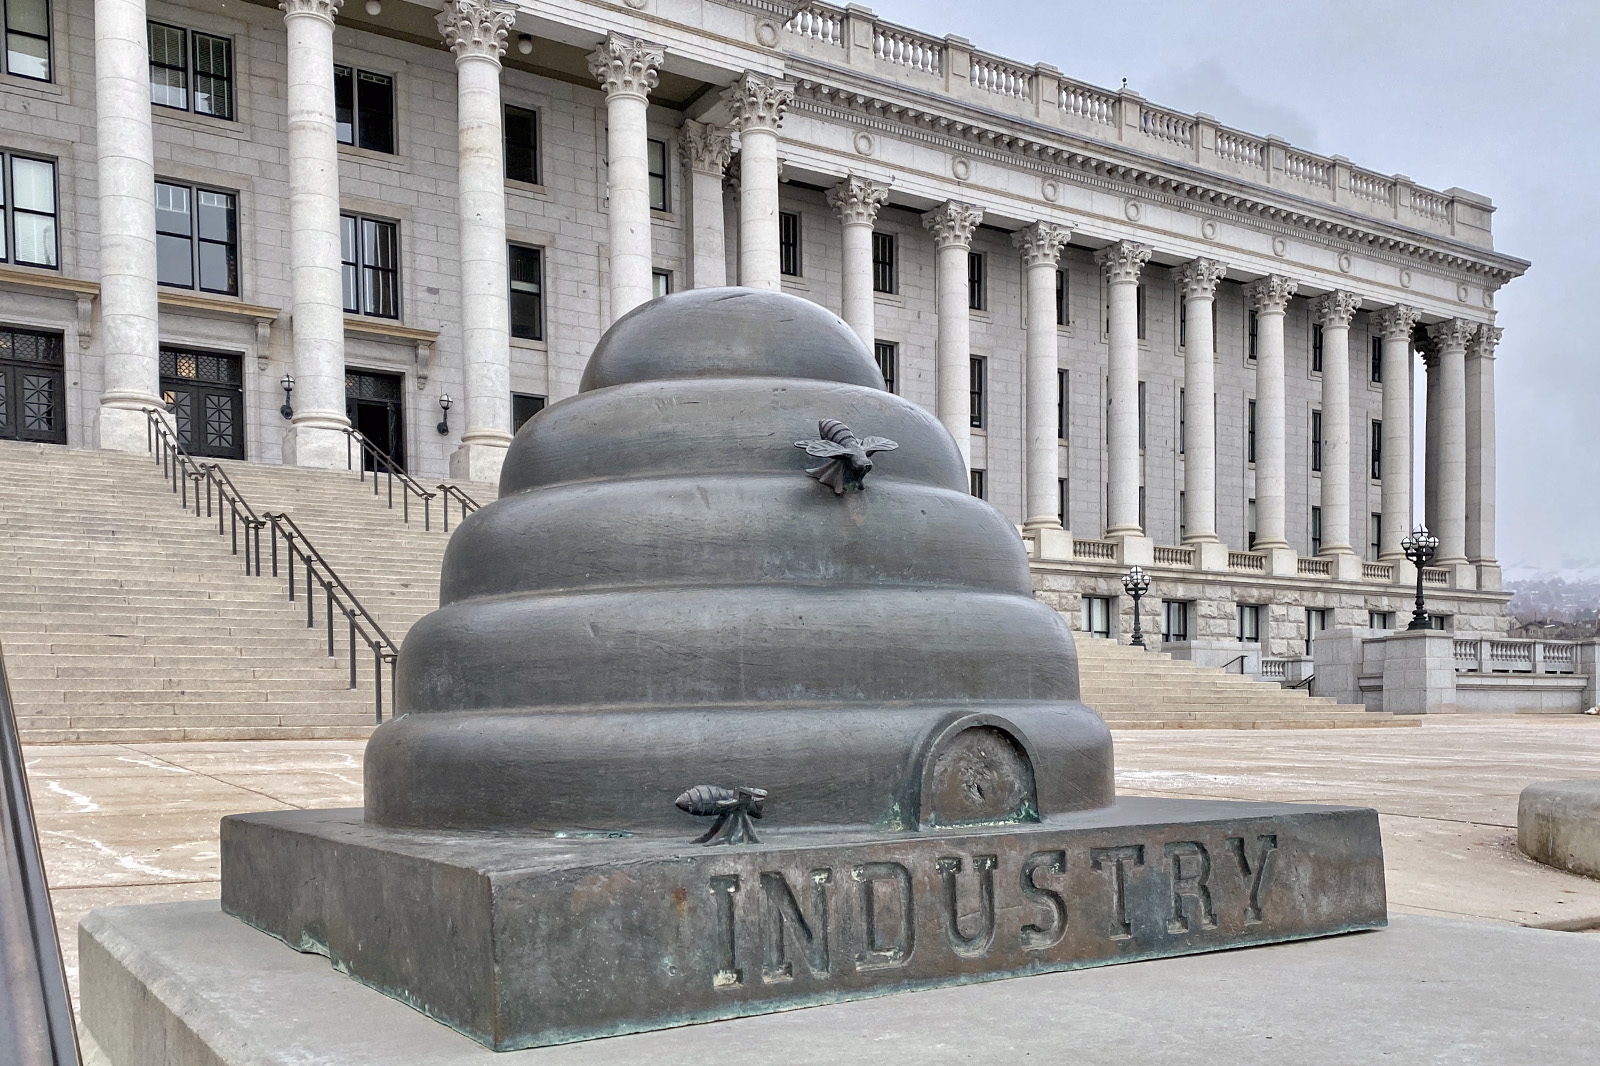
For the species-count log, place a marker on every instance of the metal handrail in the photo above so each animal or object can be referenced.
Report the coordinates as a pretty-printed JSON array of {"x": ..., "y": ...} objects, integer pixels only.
[
  {"x": 1304, "y": 682},
  {"x": 31, "y": 973},
  {"x": 382, "y": 462},
  {"x": 181, "y": 468},
  {"x": 462, "y": 498},
  {"x": 339, "y": 598},
  {"x": 1240, "y": 659}
]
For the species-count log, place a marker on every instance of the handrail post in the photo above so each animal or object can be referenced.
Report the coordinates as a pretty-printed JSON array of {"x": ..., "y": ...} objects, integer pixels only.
[
  {"x": 377, "y": 682},
  {"x": 328, "y": 588},
  {"x": 350, "y": 616}
]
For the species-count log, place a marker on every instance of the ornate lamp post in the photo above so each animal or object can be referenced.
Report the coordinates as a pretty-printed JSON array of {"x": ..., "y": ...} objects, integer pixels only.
[
  {"x": 1137, "y": 584},
  {"x": 287, "y": 410},
  {"x": 444, "y": 420},
  {"x": 1419, "y": 546}
]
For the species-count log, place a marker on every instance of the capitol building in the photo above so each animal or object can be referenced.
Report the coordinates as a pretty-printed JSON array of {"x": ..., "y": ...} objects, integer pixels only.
[{"x": 1157, "y": 340}]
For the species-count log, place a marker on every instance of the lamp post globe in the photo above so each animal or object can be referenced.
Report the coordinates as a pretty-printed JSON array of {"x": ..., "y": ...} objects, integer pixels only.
[
  {"x": 1136, "y": 583},
  {"x": 444, "y": 422},
  {"x": 1419, "y": 546},
  {"x": 287, "y": 410}
]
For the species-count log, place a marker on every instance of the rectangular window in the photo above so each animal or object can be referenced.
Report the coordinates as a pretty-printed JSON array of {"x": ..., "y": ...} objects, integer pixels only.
[
  {"x": 1377, "y": 450},
  {"x": 789, "y": 243},
  {"x": 1376, "y": 375},
  {"x": 1142, "y": 523},
  {"x": 1063, "y": 395},
  {"x": 1175, "y": 620},
  {"x": 28, "y": 204},
  {"x": 1063, "y": 318},
  {"x": 660, "y": 194},
  {"x": 1250, "y": 321},
  {"x": 1183, "y": 429},
  {"x": 980, "y": 371},
  {"x": 1316, "y": 531},
  {"x": 883, "y": 264},
  {"x": 28, "y": 39},
  {"x": 1374, "y": 534},
  {"x": 888, "y": 356},
  {"x": 1095, "y": 616},
  {"x": 1316, "y": 348},
  {"x": 1316, "y": 441},
  {"x": 1250, "y": 433},
  {"x": 660, "y": 283},
  {"x": 197, "y": 238},
  {"x": 522, "y": 144},
  {"x": 527, "y": 292},
  {"x": 979, "y": 489},
  {"x": 180, "y": 58},
  {"x": 524, "y": 407},
  {"x": 1183, "y": 522},
  {"x": 977, "y": 296},
  {"x": 1380, "y": 619},
  {"x": 1214, "y": 330},
  {"x": 1141, "y": 415},
  {"x": 1250, "y": 525},
  {"x": 370, "y": 253},
  {"x": 363, "y": 104},
  {"x": 1183, "y": 321},
  {"x": 1316, "y": 622},
  {"x": 1249, "y": 616},
  {"x": 1138, "y": 311},
  {"x": 1063, "y": 502}
]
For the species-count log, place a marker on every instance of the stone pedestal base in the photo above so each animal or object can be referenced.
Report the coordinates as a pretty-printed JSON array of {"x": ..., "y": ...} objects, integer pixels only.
[
  {"x": 1419, "y": 672},
  {"x": 1489, "y": 577},
  {"x": 477, "y": 462},
  {"x": 1135, "y": 551},
  {"x": 1347, "y": 566},
  {"x": 125, "y": 429},
  {"x": 1051, "y": 544},
  {"x": 1211, "y": 555},
  {"x": 529, "y": 940},
  {"x": 318, "y": 446},
  {"x": 1281, "y": 562}
]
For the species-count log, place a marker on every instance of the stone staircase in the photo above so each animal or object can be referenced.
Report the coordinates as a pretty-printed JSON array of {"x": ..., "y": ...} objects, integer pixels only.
[
  {"x": 1137, "y": 689},
  {"x": 124, "y": 617}
]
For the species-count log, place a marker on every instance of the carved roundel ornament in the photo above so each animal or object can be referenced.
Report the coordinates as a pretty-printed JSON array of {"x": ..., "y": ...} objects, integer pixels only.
[
  {"x": 863, "y": 143},
  {"x": 1344, "y": 262},
  {"x": 1208, "y": 230},
  {"x": 638, "y": 5},
  {"x": 961, "y": 169},
  {"x": 766, "y": 32},
  {"x": 1405, "y": 279},
  {"x": 1462, "y": 292},
  {"x": 1051, "y": 190},
  {"x": 1133, "y": 209},
  {"x": 1280, "y": 246}
]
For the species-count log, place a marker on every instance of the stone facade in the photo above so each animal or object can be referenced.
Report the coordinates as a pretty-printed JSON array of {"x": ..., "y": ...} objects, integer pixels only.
[{"x": 855, "y": 123}]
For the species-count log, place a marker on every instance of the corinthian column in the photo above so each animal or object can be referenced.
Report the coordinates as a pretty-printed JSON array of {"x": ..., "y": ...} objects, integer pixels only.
[
  {"x": 1480, "y": 456},
  {"x": 706, "y": 151},
  {"x": 627, "y": 69},
  {"x": 1334, "y": 312},
  {"x": 856, "y": 201},
  {"x": 1394, "y": 325},
  {"x": 476, "y": 32},
  {"x": 129, "y": 335},
  {"x": 758, "y": 104},
  {"x": 1040, "y": 245},
  {"x": 1270, "y": 296},
  {"x": 316, "y": 436},
  {"x": 952, "y": 224},
  {"x": 1122, "y": 263},
  {"x": 1197, "y": 284},
  {"x": 1451, "y": 338}
]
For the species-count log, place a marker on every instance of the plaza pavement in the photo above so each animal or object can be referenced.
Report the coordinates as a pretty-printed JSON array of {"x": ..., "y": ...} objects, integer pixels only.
[{"x": 137, "y": 823}]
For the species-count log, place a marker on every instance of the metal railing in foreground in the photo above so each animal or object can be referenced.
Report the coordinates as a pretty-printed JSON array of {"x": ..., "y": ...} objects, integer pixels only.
[
  {"x": 33, "y": 981},
  {"x": 463, "y": 500},
  {"x": 391, "y": 471},
  {"x": 222, "y": 499},
  {"x": 337, "y": 599}
]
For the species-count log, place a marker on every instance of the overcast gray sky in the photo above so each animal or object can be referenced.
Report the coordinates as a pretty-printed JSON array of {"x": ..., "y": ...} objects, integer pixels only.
[{"x": 1500, "y": 98}]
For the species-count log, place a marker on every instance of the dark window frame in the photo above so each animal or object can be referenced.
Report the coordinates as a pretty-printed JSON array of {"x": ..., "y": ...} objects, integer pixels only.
[
  {"x": 1094, "y": 615},
  {"x": 198, "y": 241},
  {"x": 1316, "y": 347},
  {"x": 887, "y": 356},
  {"x": 9, "y": 210},
  {"x": 1316, "y": 442},
  {"x": 885, "y": 267},
  {"x": 978, "y": 380},
  {"x": 1181, "y": 611},
  {"x": 979, "y": 483},
  {"x": 977, "y": 281},
  {"x": 660, "y": 284},
  {"x": 364, "y": 269},
  {"x": 533, "y": 297},
  {"x": 1063, "y": 403},
  {"x": 1250, "y": 431},
  {"x": 192, "y": 75},
  {"x": 1064, "y": 501},
  {"x": 1252, "y": 322},
  {"x": 538, "y": 403},
  {"x": 1376, "y": 442},
  {"x": 45, "y": 360},
  {"x": 529, "y": 150},
  {"x": 1063, "y": 297},
  {"x": 1248, "y": 616},
  {"x": 204, "y": 387},
  {"x": 354, "y": 107},
  {"x": 789, "y": 257},
  {"x": 1316, "y": 530},
  {"x": 659, "y": 179},
  {"x": 1139, "y": 314},
  {"x": 48, "y": 38},
  {"x": 1375, "y": 372}
]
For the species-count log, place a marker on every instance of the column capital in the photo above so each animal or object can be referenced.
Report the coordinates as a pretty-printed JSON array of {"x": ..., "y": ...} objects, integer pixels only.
[
  {"x": 1270, "y": 295},
  {"x": 1123, "y": 260},
  {"x": 475, "y": 28},
  {"x": 322, "y": 9},
  {"x": 1336, "y": 309},
  {"x": 758, "y": 103},
  {"x": 1040, "y": 243},
  {"x": 1452, "y": 335},
  {"x": 627, "y": 66},
  {"x": 952, "y": 223},
  {"x": 1197, "y": 279},
  {"x": 1395, "y": 323},
  {"x": 706, "y": 148},
  {"x": 857, "y": 200},
  {"x": 1485, "y": 340}
]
